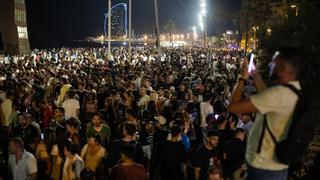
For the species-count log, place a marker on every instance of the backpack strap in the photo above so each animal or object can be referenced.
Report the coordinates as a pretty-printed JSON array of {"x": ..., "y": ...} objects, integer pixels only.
[
  {"x": 264, "y": 127},
  {"x": 294, "y": 89}
]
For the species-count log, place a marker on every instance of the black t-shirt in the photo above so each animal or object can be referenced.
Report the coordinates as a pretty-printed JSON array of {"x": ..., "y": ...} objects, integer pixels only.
[
  {"x": 204, "y": 158},
  {"x": 171, "y": 156},
  {"x": 114, "y": 155},
  {"x": 160, "y": 136},
  {"x": 26, "y": 134},
  {"x": 235, "y": 155}
]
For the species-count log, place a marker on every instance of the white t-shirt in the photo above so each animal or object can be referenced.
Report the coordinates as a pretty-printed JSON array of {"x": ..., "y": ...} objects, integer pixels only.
[
  {"x": 205, "y": 109},
  {"x": 26, "y": 166},
  {"x": 278, "y": 104},
  {"x": 70, "y": 107}
]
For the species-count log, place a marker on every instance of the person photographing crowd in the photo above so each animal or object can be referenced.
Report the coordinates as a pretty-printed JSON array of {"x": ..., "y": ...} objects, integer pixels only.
[{"x": 276, "y": 104}]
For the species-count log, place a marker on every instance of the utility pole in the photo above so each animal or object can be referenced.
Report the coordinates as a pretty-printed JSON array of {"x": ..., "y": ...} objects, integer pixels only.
[
  {"x": 130, "y": 28},
  {"x": 157, "y": 26},
  {"x": 246, "y": 26},
  {"x": 109, "y": 29}
]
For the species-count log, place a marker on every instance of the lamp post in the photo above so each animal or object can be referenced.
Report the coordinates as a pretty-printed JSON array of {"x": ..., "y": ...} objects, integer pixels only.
[
  {"x": 203, "y": 21},
  {"x": 130, "y": 28},
  {"x": 157, "y": 25},
  {"x": 109, "y": 29},
  {"x": 255, "y": 36}
]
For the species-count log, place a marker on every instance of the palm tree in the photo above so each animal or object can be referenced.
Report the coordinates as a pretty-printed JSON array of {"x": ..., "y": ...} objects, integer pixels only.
[{"x": 170, "y": 27}]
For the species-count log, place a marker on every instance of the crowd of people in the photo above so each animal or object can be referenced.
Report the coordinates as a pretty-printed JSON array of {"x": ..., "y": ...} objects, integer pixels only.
[{"x": 79, "y": 114}]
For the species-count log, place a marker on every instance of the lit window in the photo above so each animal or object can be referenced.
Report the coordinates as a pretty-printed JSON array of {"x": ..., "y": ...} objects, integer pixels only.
[
  {"x": 19, "y": 1},
  {"x": 20, "y": 16},
  {"x": 22, "y": 32}
]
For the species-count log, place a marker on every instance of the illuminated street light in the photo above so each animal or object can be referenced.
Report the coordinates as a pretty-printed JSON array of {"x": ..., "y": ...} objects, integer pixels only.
[
  {"x": 203, "y": 20},
  {"x": 293, "y": 6}
]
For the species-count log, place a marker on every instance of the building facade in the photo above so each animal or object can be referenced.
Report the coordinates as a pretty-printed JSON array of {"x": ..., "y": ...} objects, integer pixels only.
[
  {"x": 118, "y": 22},
  {"x": 13, "y": 27}
]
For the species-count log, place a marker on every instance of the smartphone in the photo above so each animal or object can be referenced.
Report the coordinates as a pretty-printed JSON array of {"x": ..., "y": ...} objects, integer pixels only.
[{"x": 251, "y": 66}]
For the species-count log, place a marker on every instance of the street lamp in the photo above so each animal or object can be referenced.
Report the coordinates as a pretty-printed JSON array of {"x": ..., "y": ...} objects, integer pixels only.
[
  {"x": 203, "y": 20},
  {"x": 255, "y": 28},
  {"x": 293, "y": 6}
]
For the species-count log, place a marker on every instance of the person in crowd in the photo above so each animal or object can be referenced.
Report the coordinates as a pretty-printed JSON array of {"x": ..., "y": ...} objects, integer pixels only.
[
  {"x": 129, "y": 131},
  {"x": 215, "y": 173},
  {"x": 90, "y": 105},
  {"x": 22, "y": 164},
  {"x": 128, "y": 169},
  {"x": 71, "y": 106},
  {"x": 173, "y": 157},
  {"x": 73, "y": 164},
  {"x": 233, "y": 153},
  {"x": 28, "y": 133},
  {"x": 144, "y": 99},
  {"x": 57, "y": 161},
  {"x": 276, "y": 104},
  {"x": 98, "y": 127},
  {"x": 6, "y": 109},
  {"x": 43, "y": 161},
  {"x": 65, "y": 86},
  {"x": 47, "y": 112},
  {"x": 245, "y": 122},
  {"x": 72, "y": 126},
  {"x": 93, "y": 152},
  {"x": 32, "y": 121},
  {"x": 205, "y": 109},
  {"x": 206, "y": 156}
]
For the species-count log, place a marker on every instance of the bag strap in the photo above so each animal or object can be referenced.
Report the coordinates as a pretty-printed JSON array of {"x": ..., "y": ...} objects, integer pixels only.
[
  {"x": 265, "y": 126},
  {"x": 294, "y": 89}
]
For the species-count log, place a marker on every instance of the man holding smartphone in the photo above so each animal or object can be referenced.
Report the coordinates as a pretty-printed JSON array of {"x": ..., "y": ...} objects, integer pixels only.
[{"x": 277, "y": 103}]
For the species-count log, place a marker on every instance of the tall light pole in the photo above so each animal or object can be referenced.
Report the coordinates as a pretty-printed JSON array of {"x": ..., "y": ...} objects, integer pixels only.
[
  {"x": 157, "y": 25},
  {"x": 109, "y": 29},
  {"x": 203, "y": 21},
  {"x": 255, "y": 28},
  {"x": 130, "y": 34}
]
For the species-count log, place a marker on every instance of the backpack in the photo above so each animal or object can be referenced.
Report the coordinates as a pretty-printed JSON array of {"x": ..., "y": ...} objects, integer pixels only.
[{"x": 301, "y": 131}]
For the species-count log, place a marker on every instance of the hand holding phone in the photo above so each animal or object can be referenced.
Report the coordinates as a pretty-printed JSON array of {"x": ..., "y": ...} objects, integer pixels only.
[{"x": 251, "y": 66}]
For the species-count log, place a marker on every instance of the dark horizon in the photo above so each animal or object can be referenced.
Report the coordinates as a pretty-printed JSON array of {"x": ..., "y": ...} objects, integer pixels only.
[{"x": 54, "y": 23}]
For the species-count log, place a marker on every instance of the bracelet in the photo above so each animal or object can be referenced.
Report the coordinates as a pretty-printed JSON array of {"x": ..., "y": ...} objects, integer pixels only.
[{"x": 242, "y": 79}]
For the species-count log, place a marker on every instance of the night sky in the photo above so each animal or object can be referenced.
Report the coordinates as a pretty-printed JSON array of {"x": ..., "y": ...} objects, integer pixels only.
[{"x": 51, "y": 23}]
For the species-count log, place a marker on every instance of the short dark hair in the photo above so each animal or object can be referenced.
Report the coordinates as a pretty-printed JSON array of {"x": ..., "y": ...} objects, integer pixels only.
[
  {"x": 208, "y": 96},
  {"x": 211, "y": 133},
  {"x": 239, "y": 130},
  {"x": 175, "y": 130},
  {"x": 72, "y": 122},
  {"x": 71, "y": 93},
  {"x": 128, "y": 151},
  {"x": 293, "y": 56},
  {"x": 18, "y": 142},
  {"x": 130, "y": 128},
  {"x": 97, "y": 138},
  {"x": 71, "y": 147},
  {"x": 221, "y": 119},
  {"x": 9, "y": 93},
  {"x": 97, "y": 114}
]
